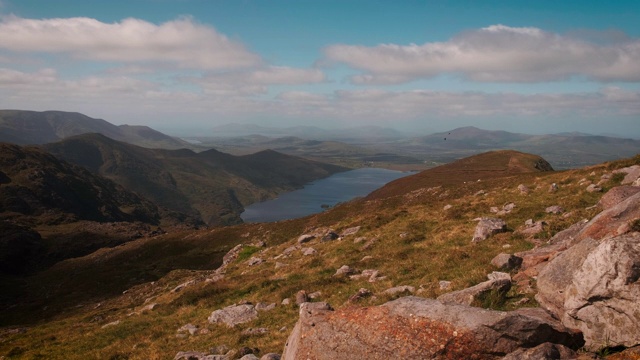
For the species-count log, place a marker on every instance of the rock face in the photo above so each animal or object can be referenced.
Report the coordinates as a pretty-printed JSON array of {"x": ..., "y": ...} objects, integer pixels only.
[
  {"x": 594, "y": 287},
  {"x": 234, "y": 315},
  {"x": 418, "y": 328},
  {"x": 487, "y": 227}
]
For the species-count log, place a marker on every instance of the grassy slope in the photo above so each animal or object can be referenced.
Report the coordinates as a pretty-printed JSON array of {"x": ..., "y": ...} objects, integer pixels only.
[{"x": 436, "y": 246}]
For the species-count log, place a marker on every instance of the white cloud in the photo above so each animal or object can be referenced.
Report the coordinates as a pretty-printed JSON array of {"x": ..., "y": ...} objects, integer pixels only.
[
  {"x": 182, "y": 42},
  {"x": 496, "y": 53},
  {"x": 9, "y": 77}
]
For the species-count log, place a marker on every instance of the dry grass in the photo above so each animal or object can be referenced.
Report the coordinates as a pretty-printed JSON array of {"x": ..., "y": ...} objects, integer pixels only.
[{"x": 418, "y": 244}]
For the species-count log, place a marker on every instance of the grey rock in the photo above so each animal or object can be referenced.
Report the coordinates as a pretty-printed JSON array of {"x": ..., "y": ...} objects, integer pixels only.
[
  {"x": 506, "y": 261},
  {"x": 309, "y": 251},
  {"x": 183, "y": 285},
  {"x": 254, "y": 331},
  {"x": 498, "y": 281},
  {"x": 593, "y": 286},
  {"x": 270, "y": 356},
  {"x": 190, "y": 328},
  {"x": 301, "y": 297},
  {"x": 487, "y": 227},
  {"x": 265, "y": 307},
  {"x": 447, "y": 207},
  {"x": 399, "y": 290},
  {"x": 350, "y": 231},
  {"x": 330, "y": 236},
  {"x": 361, "y": 294},
  {"x": 306, "y": 238},
  {"x": 234, "y": 315},
  {"x": 254, "y": 261},
  {"x": 543, "y": 351},
  {"x": 418, "y": 328},
  {"x": 315, "y": 295},
  {"x": 554, "y": 209},
  {"x": 345, "y": 270},
  {"x": 194, "y": 355},
  {"x": 250, "y": 357},
  {"x": 594, "y": 188},
  {"x": 444, "y": 284},
  {"x": 523, "y": 189},
  {"x": 286, "y": 301}
]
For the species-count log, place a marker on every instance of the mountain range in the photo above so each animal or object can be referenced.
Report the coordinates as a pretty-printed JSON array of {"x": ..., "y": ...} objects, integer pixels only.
[{"x": 32, "y": 127}]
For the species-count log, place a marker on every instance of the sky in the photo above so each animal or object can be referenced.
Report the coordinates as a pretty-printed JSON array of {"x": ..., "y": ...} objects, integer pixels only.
[{"x": 186, "y": 66}]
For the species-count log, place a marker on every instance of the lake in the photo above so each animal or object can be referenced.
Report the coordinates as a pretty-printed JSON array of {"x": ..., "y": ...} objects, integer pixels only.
[{"x": 330, "y": 191}]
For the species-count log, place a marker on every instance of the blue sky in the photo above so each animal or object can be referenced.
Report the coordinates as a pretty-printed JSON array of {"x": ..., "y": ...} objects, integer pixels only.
[{"x": 424, "y": 66}]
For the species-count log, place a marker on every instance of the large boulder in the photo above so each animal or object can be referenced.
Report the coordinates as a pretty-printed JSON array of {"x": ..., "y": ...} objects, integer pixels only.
[
  {"x": 234, "y": 315},
  {"x": 594, "y": 287},
  {"x": 418, "y": 328},
  {"x": 487, "y": 227}
]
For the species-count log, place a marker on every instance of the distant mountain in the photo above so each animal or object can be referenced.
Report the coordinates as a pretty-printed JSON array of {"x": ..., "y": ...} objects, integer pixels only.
[
  {"x": 566, "y": 150},
  {"x": 353, "y": 134},
  {"x": 211, "y": 185},
  {"x": 32, "y": 127}
]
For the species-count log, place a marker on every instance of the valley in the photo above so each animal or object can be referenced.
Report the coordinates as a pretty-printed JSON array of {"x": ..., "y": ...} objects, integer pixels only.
[{"x": 111, "y": 250}]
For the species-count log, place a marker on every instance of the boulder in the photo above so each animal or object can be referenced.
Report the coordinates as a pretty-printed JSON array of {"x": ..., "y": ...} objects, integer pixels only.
[
  {"x": 555, "y": 209},
  {"x": 498, "y": 281},
  {"x": 309, "y": 251},
  {"x": 594, "y": 287},
  {"x": 523, "y": 189},
  {"x": 194, "y": 355},
  {"x": 249, "y": 357},
  {"x": 306, "y": 238},
  {"x": 234, "y": 315},
  {"x": 331, "y": 235},
  {"x": 487, "y": 227},
  {"x": 301, "y": 297},
  {"x": 399, "y": 290},
  {"x": 270, "y": 356},
  {"x": 543, "y": 351},
  {"x": 532, "y": 228},
  {"x": 594, "y": 188},
  {"x": 350, "y": 231},
  {"x": 345, "y": 270},
  {"x": 506, "y": 261},
  {"x": 418, "y": 328},
  {"x": 614, "y": 220}
]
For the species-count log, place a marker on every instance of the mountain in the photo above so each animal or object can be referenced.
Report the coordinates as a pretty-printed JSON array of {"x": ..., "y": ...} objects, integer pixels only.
[
  {"x": 31, "y": 127},
  {"x": 77, "y": 211},
  {"x": 566, "y": 150},
  {"x": 333, "y": 152},
  {"x": 162, "y": 297},
  {"x": 211, "y": 185},
  {"x": 353, "y": 134}
]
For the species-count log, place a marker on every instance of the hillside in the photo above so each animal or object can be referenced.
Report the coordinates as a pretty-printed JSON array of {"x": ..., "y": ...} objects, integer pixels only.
[
  {"x": 23, "y": 127},
  {"x": 51, "y": 210},
  {"x": 419, "y": 238},
  {"x": 211, "y": 185}
]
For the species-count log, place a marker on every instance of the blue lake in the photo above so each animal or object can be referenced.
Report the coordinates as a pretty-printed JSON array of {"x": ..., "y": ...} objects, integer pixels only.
[{"x": 337, "y": 188}]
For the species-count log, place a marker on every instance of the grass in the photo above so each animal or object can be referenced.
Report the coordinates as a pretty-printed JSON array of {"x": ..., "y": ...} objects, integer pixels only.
[{"x": 436, "y": 247}]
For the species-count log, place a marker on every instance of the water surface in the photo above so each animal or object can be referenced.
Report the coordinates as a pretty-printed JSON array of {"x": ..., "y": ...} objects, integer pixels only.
[{"x": 337, "y": 188}]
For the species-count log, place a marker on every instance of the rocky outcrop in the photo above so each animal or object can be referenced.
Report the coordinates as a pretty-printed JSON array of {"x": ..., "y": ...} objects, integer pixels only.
[
  {"x": 632, "y": 173},
  {"x": 594, "y": 287},
  {"x": 418, "y": 328},
  {"x": 487, "y": 227},
  {"x": 543, "y": 351},
  {"x": 498, "y": 281},
  {"x": 617, "y": 195}
]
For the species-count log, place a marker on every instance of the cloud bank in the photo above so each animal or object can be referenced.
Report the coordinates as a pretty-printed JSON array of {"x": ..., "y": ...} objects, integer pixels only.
[
  {"x": 496, "y": 53},
  {"x": 182, "y": 42}
]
